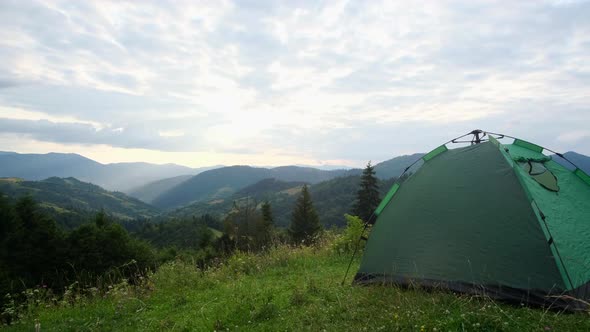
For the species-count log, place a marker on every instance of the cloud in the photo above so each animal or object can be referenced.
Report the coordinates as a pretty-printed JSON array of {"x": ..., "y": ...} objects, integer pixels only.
[
  {"x": 86, "y": 134},
  {"x": 574, "y": 136},
  {"x": 9, "y": 83},
  {"x": 333, "y": 80}
]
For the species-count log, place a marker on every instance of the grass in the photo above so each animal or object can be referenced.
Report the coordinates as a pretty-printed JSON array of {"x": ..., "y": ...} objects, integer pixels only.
[{"x": 284, "y": 290}]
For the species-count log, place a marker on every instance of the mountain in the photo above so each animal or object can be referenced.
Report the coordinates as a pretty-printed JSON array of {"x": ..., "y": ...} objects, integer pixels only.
[
  {"x": 580, "y": 160},
  {"x": 149, "y": 192},
  {"x": 223, "y": 182},
  {"x": 324, "y": 167},
  {"x": 395, "y": 167},
  {"x": 126, "y": 176},
  {"x": 266, "y": 187},
  {"x": 211, "y": 184},
  {"x": 332, "y": 199},
  {"x": 71, "y": 200},
  {"x": 118, "y": 176}
]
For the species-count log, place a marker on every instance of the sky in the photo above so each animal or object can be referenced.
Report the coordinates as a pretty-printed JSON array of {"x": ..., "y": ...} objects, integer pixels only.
[{"x": 289, "y": 82}]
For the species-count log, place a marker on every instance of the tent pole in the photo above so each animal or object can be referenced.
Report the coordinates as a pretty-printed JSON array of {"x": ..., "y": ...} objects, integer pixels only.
[
  {"x": 355, "y": 251},
  {"x": 556, "y": 153}
]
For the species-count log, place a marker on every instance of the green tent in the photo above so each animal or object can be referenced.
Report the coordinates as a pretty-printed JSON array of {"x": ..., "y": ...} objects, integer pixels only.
[{"x": 506, "y": 221}]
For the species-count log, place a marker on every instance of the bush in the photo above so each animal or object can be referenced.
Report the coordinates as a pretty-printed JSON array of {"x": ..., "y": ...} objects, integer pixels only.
[
  {"x": 242, "y": 263},
  {"x": 347, "y": 241}
]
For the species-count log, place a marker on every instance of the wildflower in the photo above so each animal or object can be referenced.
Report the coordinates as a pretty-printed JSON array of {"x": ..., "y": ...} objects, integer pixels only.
[{"x": 395, "y": 316}]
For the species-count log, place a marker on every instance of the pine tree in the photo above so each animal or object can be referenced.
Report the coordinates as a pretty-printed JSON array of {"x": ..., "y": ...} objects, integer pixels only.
[
  {"x": 101, "y": 219},
  {"x": 367, "y": 197},
  {"x": 305, "y": 223},
  {"x": 243, "y": 225},
  {"x": 265, "y": 226},
  {"x": 267, "y": 214}
]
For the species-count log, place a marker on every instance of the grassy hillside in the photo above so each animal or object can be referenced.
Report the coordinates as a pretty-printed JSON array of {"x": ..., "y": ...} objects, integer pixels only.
[
  {"x": 71, "y": 200},
  {"x": 284, "y": 290}
]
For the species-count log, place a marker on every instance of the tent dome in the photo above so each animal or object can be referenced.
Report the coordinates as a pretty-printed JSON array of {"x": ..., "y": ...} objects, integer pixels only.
[{"x": 503, "y": 220}]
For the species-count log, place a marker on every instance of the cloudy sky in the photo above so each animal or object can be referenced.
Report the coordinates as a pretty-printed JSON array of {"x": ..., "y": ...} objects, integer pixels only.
[{"x": 291, "y": 82}]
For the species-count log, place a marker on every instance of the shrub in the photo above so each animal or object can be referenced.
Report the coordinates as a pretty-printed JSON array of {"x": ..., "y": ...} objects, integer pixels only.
[{"x": 347, "y": 241}]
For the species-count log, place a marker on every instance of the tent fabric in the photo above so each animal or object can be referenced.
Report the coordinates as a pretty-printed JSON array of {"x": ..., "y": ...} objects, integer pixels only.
[
  {"x": 567, "y": 216},
  {"x": 474, "y": 220}
]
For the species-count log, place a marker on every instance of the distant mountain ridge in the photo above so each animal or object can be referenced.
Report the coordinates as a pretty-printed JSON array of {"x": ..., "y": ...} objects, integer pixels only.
[
  {"x": 580, "y": 160},
  {"x": 117, "y": 176},
  {"x": 73, "y": 200},
  {"x": 222, "y": 182},
  {"x": 266, "y": 187},
  {"x": 163, "y": 186},
  {"x": 332, "y": 199},
  {"x": 395, "y": 167},
  {"x": 150, "y": 191}
]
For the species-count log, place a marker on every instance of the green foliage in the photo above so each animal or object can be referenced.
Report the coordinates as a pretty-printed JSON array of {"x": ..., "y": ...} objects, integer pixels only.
[
  {"x": 31, "y": 246},
  {"x": 187, "y": 233},
  {"x": 305, "y": 223},
  {"x": 367, "y": 196},
  {"x": 346, "y": 242},
  {"x": 248, "y": 227},
  {"x": 93, "y": 250},
  {"x": 266, "y": 227},
  {"x": 101, "y": 219},
  {"x": 35, "y": 253}
]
